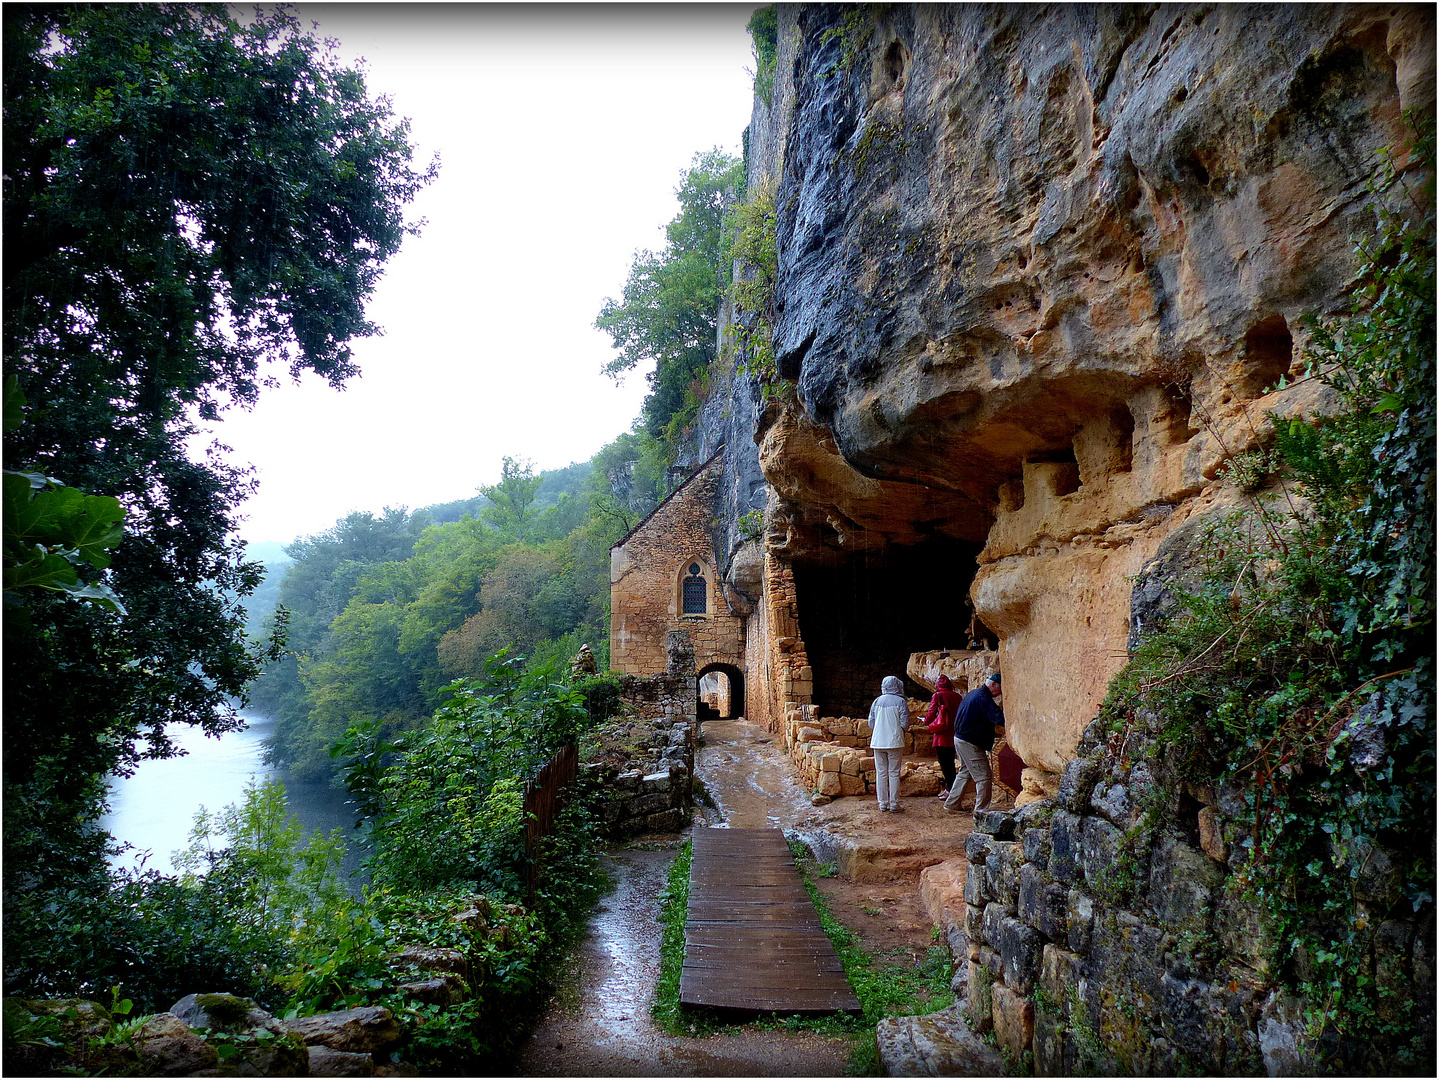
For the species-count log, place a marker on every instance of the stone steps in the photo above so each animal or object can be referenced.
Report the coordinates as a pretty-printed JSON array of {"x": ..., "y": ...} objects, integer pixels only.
[{"x": 940, "y": 1044}]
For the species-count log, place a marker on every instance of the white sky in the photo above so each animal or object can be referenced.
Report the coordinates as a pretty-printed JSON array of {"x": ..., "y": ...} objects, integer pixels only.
[{"x": 562, "y": 132}]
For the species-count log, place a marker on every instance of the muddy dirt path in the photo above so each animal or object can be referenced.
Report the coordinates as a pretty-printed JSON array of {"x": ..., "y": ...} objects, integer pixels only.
[{"x": 599, "y": 1023}]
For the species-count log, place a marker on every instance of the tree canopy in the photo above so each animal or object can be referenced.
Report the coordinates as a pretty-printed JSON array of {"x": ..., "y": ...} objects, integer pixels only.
[
  {"x": 190, "y": 205},
  {"x": 669, "y": 314}
]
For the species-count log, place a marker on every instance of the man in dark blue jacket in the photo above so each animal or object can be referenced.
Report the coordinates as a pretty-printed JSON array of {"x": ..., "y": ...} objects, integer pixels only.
[{"x": 976, "y": 721}]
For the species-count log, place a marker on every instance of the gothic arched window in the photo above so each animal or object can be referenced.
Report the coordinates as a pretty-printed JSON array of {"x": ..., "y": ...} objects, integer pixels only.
[{"x": 695, "y": 592}]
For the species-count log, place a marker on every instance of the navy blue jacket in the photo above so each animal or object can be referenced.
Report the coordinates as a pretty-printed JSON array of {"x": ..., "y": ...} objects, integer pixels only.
[{"x": 977, "y": 717}]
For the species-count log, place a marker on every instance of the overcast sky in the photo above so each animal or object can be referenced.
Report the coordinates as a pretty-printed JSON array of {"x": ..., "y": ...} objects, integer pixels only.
[{"x": 562, "y": 132}]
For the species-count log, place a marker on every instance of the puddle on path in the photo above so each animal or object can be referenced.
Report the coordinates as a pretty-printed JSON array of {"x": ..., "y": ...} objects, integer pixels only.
[
  {"x": 600, "y": 1025},
  {"x": 748, "y": 778}
]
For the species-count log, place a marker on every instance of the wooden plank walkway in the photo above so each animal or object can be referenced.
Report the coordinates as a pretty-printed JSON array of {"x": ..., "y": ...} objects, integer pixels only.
[{"x": 753, "y": 941}]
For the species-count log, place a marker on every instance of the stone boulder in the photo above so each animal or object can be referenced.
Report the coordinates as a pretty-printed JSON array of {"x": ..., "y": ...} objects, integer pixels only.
[
  {"x": 430, "y": 958},
  {"x": 46, "y": 1035},
  {"x": 367, "y": 1029},
  {"x": 940, "y": 1044},
  {"x": 227, "y": 1013},
  {"x": 255, "y": 1043},
  {"x": 327, "y": 1062},
  {"x": 167, "y": 1046}
]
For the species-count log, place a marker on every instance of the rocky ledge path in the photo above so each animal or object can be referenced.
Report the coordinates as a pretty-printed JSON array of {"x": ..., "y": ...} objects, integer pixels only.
[
  {"x": 898, "y": 878},
  {"x": 600, "y": 1024}
]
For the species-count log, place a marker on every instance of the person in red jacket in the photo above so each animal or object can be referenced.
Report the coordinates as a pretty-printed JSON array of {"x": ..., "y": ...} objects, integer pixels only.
[{"x": 940, "y": 720}]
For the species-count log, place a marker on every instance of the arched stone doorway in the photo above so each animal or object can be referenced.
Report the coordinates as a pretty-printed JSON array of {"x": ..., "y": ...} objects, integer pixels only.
[{"x": 720, "y": 688}]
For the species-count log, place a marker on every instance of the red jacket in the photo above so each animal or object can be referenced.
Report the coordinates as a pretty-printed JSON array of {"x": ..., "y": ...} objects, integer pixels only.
[{"x": 940, "y": 717}]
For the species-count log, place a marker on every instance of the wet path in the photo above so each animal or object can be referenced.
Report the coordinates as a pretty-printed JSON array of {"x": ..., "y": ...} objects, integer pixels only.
[
  {"x": 749, "y": 780},
  {"x": 600, "y": 1024}
]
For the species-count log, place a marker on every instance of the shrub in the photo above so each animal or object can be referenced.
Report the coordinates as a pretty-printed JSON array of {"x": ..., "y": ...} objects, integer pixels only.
[
  {"x": 450, "y": 808},
  {"x": 601, "y": 694}
]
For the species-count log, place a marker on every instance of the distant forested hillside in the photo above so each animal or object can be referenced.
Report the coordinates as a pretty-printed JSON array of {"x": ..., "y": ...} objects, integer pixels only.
[{"x": 385, "y": 610}]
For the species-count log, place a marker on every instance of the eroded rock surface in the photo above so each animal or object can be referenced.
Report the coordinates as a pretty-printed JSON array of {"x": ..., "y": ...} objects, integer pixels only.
[
  {"x": 940, "y": 1044},
  {"x": 1041, "y": 272},
  {"x": 363, "y": 1030}
]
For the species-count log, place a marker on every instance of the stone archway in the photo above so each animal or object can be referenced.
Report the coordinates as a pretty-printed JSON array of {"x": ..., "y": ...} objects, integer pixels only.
[{"x": 729, "y": 702}]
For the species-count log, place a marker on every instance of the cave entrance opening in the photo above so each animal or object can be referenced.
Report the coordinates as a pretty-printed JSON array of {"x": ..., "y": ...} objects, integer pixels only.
[
  {"x": 721, "y": 693},
  {"x": 862, "y": 615}
]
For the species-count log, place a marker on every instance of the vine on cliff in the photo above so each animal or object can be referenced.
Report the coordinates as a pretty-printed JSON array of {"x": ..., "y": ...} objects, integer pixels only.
[
  {"x": 854, "y": 32},
  {"x": 763, "y": 29},
  {"x": 754, "y": 248},
  {"x": 1299, "y": 672}
]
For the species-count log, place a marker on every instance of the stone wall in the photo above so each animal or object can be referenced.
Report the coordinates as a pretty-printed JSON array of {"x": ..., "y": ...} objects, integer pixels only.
[
  {"x": 651, "y": 790},
  {"x": 646, "y": 570},
  {"x": 788, "y": 677},
  {"x": 762, "y": 705},
  {"x": 1107, "y": 933},
  {"x": 831, "y": 754}
]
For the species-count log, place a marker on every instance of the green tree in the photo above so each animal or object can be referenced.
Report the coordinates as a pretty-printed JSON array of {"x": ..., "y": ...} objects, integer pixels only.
[
  {"x": 316, "y": 588},
  {"x": 669, "y": 314},
  {"x": 188, "y": 202},
  {"x": 509, "y": 615},
  {"x": 763, "y": 30},
  {"x": 450, "y": 809},
  {"x": 511, "y": 498},
  {"x": 625, "y": 484}
]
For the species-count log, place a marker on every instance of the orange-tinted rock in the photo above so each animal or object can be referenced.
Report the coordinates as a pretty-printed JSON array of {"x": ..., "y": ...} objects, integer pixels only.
[{"x": 1039, "y": 278}]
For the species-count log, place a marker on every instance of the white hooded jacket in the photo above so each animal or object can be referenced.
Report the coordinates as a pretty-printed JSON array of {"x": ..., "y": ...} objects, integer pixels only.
[{"x": 889, "y": 716}]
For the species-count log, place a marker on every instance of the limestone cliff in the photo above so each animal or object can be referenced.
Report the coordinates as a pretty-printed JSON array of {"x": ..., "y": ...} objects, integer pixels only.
[{"x": 1039, "y": 270}]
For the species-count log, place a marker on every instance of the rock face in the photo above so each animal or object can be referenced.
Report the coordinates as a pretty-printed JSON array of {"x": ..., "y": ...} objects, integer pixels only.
[
  {"x": 1039, "y": 272},
  {"x": 940, "y": 1044},
  {"x": 1043, "y": 275}
]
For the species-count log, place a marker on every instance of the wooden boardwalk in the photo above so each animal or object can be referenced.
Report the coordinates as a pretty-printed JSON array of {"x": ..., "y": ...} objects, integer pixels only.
[{"x": 753, "y": 941}]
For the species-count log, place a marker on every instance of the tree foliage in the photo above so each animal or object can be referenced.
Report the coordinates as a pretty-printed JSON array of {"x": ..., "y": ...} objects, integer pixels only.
[
  {"x": 512, "y": 497},
  {"x": 763, "y": 29},
  {"x": 189, "y": 202},
  {"x": 449, "y": 810},
  {"x": 385, "y": 611},
  {"x": 669, "y": 314}
]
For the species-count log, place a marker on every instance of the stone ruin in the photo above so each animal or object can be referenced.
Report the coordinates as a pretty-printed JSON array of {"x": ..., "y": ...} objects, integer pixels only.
[
  {"x": 831, "y": 755},
  {"x": 644, "y": 759}
]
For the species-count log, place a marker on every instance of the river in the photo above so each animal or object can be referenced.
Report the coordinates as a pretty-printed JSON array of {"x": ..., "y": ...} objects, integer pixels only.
[{"x": 154, "y": 809}]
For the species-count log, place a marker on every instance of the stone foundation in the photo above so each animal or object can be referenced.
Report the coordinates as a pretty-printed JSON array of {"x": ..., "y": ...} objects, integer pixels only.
[
  {"x": 1107, "y": 948},
  {"x": 652, "y": 790}
]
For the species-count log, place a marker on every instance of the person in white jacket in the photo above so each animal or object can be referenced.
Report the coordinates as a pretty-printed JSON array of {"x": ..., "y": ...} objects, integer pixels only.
[{"x": 888, "y": 720}]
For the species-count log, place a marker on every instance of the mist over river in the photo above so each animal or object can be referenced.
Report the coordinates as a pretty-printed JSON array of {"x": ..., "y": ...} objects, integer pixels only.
[{"x": 154, "y": 809}]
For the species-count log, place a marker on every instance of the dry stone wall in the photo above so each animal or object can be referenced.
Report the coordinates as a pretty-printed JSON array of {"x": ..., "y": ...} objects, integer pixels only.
[
  {"x": 831, "y": 754},
  {"x": 1106, "y": 931},
  {"x": 651, "y": 788}
]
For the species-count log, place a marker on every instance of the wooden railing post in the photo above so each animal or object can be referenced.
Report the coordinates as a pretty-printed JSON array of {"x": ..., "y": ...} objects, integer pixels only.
[{"x": 541, "y": 801}]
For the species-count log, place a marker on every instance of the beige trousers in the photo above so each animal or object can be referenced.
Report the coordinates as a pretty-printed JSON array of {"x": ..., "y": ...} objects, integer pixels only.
[
  {"x": 886, "y": 776},
  {"x": 971, "y": 763}
]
